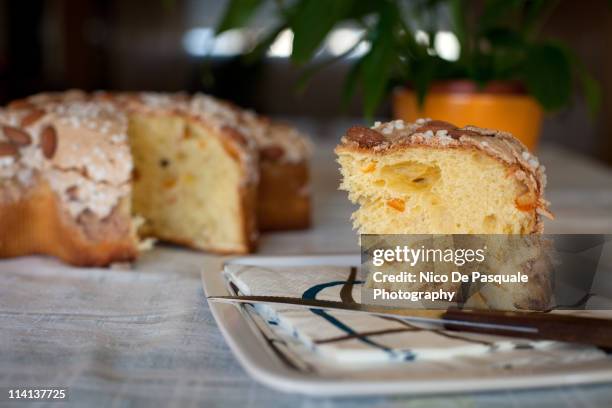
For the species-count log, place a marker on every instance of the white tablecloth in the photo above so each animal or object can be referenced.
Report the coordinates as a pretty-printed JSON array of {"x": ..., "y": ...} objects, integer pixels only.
[{"x": 145, "y": 337}]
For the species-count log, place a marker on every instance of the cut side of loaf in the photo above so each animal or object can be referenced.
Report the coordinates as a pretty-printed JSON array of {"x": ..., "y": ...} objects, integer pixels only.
[
  {"x": 283, "y": 195},
  {"x": 188, "y": 184},
  {"x": 431, "y": 177}
]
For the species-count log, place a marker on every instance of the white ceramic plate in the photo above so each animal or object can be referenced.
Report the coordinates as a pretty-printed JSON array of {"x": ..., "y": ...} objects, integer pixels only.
[{"x": 265, "y": 364}]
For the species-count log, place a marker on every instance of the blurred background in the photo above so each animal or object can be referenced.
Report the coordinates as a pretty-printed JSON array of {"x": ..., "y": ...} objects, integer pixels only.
[{"x": 166, "y": 45}]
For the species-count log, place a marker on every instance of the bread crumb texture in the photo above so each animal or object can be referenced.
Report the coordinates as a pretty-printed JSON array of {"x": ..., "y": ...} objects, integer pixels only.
[{"x": 430, "y": 177}]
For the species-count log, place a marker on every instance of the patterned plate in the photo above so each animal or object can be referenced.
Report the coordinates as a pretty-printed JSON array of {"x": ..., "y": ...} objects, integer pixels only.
[{"x": 336, "y": 353}]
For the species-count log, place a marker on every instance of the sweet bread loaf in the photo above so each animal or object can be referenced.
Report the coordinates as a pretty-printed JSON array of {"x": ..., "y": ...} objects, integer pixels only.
[
  {"x": 85, "y": 177},
  {"x": 432, "y": 177},
  {"x": 190, "y": 177}
]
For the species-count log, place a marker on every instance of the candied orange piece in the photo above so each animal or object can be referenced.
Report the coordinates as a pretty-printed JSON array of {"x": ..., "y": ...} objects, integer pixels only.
[
  {"x": 370, "y": 167},
  {"x": 169, "y": 183},
  {"x": 397, "y": 204},
  {"x": 525, "y": 202}
]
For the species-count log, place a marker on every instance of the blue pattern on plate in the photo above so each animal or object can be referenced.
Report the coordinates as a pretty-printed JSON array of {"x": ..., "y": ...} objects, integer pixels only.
[{"x": 311, "y": 294}]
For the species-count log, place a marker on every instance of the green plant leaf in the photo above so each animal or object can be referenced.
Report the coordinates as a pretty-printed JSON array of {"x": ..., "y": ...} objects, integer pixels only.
[
  {"x": 497, "y": 45},
  {"x": 421, "y": 76},
  {"x": 548, "y": 75},
  {"x": 309, "y": 72},
  {"x": 361, "y": 8},
  {"x": 406, "y": 41},
  {"x": 350, "y": 84},
  {"x": 592, "y": 92},
  {"x": 457, "y": 8},
  {"x": 503, "y": 37},
  {"x": 533, "y": 14},
  {"x": 378, "y": 63},
  {"x": 263, "y": 45},
  {"x": 495, "y": 10},
  {"x": 508, "y": 64},
  {"x": 237, "y": 13},
  {"x": 482, "y": 68},
  {"x": 311, "y": 22},
  {"x": 590, "y": 86},
  {"x": 506, "y": 54}
]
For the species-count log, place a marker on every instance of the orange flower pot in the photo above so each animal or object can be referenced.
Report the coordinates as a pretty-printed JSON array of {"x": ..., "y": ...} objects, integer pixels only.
[{"x": 500, "y": 105}]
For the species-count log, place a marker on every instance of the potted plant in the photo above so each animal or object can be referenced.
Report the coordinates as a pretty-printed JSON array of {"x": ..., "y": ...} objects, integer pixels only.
[{"x": 496, "y": 71}]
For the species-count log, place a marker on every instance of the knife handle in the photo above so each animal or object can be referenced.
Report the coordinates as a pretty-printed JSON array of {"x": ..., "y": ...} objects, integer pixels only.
[{"x": 534, "y": 325}]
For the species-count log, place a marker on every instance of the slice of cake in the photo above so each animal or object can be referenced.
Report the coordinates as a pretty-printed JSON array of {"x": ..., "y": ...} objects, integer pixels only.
[{"x": 431, "y": 177}]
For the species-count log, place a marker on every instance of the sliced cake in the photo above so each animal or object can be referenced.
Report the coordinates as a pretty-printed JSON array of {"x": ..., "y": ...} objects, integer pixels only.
[
  {"x": 86, "y": 177},
  {"x": 431, "y": 177},
  {"x": 80, "y": 175}
]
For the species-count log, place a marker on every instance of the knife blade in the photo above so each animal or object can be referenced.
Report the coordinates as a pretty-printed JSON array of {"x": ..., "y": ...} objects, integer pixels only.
[{"x": 531, "y": 325}]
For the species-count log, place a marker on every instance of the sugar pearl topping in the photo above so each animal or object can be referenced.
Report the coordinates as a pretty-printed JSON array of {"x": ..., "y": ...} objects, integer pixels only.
[
  {"x": 259, "y": 132},
  {"x": 439, "y": 133}
]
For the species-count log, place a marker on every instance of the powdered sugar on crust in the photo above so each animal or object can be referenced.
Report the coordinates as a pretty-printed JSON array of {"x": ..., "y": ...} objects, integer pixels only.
[
  {"x": 264, "y": 133},
  {"x": 292, "y": 145},
  {"x": 260, "y": 136},
  {"x": 84, "y": 155},
  {"x": 397, "y": 134}
]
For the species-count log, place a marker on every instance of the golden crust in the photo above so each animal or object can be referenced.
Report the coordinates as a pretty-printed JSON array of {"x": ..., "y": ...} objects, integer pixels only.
[
  {"x": 397, "y": 135},
  {"x": 38, "y": 224},
  {"x": 284, "y": 190},
  {"x": 284, "y": 197}
]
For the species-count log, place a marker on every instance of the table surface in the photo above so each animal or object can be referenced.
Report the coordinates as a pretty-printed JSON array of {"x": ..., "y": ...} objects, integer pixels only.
[{"x": 145, "y": 336}]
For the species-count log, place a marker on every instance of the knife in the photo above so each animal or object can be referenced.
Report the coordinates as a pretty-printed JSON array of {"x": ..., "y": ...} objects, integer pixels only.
[{"x": 530, "y": 325}]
